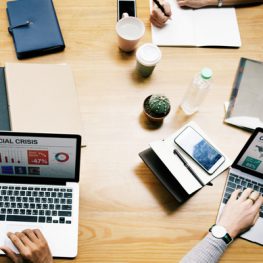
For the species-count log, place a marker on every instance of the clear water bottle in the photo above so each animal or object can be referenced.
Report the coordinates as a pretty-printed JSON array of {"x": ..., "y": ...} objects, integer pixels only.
[{"x": 197, "y": 91}]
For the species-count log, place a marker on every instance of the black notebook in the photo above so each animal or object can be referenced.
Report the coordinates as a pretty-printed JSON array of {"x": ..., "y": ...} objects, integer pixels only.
[
  {"x": 4, "y": 110},
  {"x": 34, "y": 27}
]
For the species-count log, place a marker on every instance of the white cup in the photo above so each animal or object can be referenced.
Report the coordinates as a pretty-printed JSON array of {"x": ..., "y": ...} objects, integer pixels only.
[
  {"x": 147, "y": 56},
  {"x": 129, "y": 30}
]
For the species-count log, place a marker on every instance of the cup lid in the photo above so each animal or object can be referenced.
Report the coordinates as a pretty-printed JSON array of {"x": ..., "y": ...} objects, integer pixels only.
[{"x": 148, "y": 54}]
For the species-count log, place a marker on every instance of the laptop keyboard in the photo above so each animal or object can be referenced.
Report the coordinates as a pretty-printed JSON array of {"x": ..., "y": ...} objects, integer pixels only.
[
  {"x": 36, "y": 204},
  {"x": 237, "y": 182}
]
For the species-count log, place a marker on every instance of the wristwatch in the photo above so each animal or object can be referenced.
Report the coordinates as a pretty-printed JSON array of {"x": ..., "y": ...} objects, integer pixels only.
[
  {"x": 220, "y": 3},
  {"x": 220, "y": 233}
]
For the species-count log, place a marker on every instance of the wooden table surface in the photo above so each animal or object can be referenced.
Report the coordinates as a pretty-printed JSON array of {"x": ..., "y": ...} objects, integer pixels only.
[{"x": 125, "y": 213}]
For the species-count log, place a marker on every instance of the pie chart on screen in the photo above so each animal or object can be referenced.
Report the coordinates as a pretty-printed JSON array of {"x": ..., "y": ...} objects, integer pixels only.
[{"x": 61, "y": 157}]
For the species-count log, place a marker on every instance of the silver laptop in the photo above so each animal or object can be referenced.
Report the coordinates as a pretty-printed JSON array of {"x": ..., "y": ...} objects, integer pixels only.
[
  {"x": 247, "y": 172},
  {"x": 39, "y": 175}
]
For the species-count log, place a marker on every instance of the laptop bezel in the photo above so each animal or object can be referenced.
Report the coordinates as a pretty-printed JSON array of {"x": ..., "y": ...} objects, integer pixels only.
[
  {"x": 243, "y": 169},
  {"x": 51, "y": 181}
]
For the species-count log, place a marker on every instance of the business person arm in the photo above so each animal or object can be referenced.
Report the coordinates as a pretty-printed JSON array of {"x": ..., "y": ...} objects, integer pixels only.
[
  {"x": 32, "y": 246},
  {"x": 204, "y": 3},
  {"x": 157, "y": 17},
  {"x": 238, "y": 215}
]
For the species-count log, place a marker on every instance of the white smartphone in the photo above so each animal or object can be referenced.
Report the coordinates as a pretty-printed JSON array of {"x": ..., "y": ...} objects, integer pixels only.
[
  {"x": 201, "y": 151},
  {"x": 126, "y": 6}
]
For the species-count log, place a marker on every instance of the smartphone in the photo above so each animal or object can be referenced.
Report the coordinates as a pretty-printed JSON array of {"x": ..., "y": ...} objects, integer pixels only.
[
  {"x": 201, "y": 151},
  {"x": 126, "y": 6}
]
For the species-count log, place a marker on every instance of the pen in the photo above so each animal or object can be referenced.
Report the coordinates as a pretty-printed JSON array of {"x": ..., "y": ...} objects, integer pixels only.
[
  {"x": 188, "y": 167},
  {"x": 160, "y": 6}
]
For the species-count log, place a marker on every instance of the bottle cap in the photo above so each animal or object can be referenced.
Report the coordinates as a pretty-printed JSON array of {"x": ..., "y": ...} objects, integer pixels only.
[
  {"x": 206, "y": 73},
  {"x": 148, "y": 54}
]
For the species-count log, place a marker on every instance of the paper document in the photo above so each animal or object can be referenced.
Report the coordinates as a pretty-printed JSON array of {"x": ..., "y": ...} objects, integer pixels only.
[
  {"x": 164, "y": 150},
  {"x": 245, "y": 105},
  {"x": 198, "y": 27}
]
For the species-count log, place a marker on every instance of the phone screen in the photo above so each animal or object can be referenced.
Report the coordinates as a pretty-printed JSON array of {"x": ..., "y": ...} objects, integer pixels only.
[
  {"x": 199, "y": 149},
  {"x": 126, "y": 7}
]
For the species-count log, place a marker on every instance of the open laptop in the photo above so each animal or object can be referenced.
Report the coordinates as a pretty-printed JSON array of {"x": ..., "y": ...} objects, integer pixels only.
[
  {"x": 247, "y": 172},
  {"x": 39, "y": 175}
]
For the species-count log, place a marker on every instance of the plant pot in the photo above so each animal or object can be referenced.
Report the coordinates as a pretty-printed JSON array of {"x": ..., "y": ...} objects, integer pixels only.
[{"x": 151, "y": 117}]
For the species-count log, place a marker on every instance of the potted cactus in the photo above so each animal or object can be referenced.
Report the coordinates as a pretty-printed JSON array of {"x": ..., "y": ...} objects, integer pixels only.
[{"x": 156, "y": 107}]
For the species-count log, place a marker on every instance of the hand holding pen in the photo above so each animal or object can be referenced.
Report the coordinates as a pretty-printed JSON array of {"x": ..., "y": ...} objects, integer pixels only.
[{"x": 161, "y": 12}]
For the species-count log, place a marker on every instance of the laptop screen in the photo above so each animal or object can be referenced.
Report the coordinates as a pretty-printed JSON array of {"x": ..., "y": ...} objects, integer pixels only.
[
  {"x": 251, "y": 157},
  {"x": 39, "y": 156}
]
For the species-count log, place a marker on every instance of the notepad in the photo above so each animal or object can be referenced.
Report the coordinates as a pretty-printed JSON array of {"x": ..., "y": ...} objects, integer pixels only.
[
  {"x": 198, "y": 27},
  {"x": 42, "y": 98},
  {"x": 34, "y": 27},
  {"x": 164, "y": 150}
]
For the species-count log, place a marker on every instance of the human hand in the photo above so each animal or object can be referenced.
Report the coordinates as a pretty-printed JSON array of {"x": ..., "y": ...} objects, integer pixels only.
[
  {"x": 241, "y": 213},
  {"x": 32, "y": 246},
  {"x": 157, "y": 17},
  {"x": 197, "y": 3}
]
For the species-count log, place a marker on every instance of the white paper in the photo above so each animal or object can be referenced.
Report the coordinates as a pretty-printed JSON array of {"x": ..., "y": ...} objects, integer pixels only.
[
  {"x": 198, "y": 27},
  {"x": 164, "y": 150}
]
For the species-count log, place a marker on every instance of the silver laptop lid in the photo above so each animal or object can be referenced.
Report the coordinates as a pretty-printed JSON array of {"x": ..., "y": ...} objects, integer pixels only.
[
  {"x": 250, "y": 159},
  {"x": 39, "y": 158}
]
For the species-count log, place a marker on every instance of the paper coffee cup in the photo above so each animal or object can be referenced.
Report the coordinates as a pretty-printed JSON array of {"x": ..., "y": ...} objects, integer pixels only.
[
  {"x": 147, "y": 56},
  {"x": 129, "y": 30}
]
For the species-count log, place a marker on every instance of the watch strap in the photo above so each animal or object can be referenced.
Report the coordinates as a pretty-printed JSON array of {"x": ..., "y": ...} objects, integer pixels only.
[{"x": 226, "y": 238}]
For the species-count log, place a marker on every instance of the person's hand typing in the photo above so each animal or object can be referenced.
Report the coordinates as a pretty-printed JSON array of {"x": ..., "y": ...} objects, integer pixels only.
[
  {"x": 32, "y": 246},
  {"x": 240, "y": 213},
  {"x": 157, "y": 17}
]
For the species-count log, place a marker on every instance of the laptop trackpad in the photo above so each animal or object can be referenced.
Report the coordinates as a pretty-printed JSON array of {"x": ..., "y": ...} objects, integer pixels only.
[{"x": 17, "y": 228}]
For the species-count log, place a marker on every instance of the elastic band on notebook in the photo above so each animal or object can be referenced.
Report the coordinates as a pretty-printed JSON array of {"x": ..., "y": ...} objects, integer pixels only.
[{"x": 10, "y": 29}]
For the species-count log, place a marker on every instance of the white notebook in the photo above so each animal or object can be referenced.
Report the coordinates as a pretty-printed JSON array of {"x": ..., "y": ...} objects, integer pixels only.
[
  {"x": 198, "y": 27},
  {"x": 42, "y": 98},
  {"x": 164, "y": 150}
]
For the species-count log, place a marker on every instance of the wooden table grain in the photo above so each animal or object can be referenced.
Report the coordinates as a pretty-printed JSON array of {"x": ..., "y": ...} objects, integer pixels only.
[{"x": 125, "y": 213}]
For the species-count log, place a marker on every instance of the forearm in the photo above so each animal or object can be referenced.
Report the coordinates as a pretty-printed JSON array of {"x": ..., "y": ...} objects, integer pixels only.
[
  {"x": 231, "y": 2},
  {"x": 209, "y": 250}
]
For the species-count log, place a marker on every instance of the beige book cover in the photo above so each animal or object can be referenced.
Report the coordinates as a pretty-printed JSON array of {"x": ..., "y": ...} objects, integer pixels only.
[{"x": 42, "y": 98}]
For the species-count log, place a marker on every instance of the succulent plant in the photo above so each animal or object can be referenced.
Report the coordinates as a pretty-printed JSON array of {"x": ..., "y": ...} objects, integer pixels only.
[{"x": 157, "y": 106}]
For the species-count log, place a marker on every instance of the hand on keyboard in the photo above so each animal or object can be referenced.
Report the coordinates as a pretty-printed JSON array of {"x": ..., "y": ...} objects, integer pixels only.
[
  {"x": 32, "y": 246},
  {"x": 241, "y": 212}
]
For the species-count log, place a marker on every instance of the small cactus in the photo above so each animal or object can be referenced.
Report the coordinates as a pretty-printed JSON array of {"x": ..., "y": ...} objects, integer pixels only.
[{"x": 158, "y": 106}]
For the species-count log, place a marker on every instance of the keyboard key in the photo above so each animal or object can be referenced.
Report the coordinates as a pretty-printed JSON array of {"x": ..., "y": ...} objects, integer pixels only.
[
  {"x": 66, "y": 207},
  {"x": 3, "y": 210},
  {"x": 2, "y": 217},
  {"x": 16, "y": 211},
  {"x": 22, "y": 212},
  {"x": 229, "y": 190},
  {"x": 55, "y": 221},
  {"x": 69, "y": 190},
  {"x": 49, "y": 219},
  {"x": 35, "y": 212},
  {"x": 244, "y": 183},
  {"x": 69, "y": 201},
  {"x": 41, "y": 219},
  {"x": 21, "y": 218},
  {"x": 54, "y": 213},
  {"x": 62, "y": 220},
  {"x": 64, "y": 213},
  {"x": 68, "y": 222},
  {"x": 232, "y": 185},
  {"x": 68, "y": 195}
]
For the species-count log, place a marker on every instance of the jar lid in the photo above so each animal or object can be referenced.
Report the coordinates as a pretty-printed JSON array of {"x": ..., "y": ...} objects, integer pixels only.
[
  {"x": 206, "y": 73},
  {"x": 148, "y": 54}
]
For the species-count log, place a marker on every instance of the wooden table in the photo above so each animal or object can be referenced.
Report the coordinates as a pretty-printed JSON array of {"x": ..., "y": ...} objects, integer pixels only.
[{"x": 125, "y": 213}]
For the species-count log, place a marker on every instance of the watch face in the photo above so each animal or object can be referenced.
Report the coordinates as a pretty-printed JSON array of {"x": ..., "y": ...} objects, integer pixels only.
[{"x": 218, "y": 231}]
